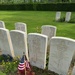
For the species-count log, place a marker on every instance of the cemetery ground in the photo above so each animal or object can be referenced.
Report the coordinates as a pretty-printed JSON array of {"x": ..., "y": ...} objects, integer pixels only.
[{"x": 34, "y": 21}]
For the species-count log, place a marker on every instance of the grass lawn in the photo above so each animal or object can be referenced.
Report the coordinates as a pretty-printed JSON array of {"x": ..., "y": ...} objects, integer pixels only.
[
  {"x": 1, "y": 73},
  {"x": 35, "y": 19}
]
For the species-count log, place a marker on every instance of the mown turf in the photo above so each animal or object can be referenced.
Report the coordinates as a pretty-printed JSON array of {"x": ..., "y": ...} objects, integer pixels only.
[
  {"x": 35, "y": 19},
  {"x": 1, "y": 73}
]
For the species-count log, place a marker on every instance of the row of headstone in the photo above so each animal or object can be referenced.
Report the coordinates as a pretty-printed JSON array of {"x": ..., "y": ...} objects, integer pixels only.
[
  {"x": 39, "y": 44},
  {"x": 19, "y": 41},
  {"x": 15, "y": 41},
  {"x": 67, "y": 18},
  {"x": 18, "y": 26},
  {"x": 61, "y": 52},
  {"x": 61, "y": 49}
]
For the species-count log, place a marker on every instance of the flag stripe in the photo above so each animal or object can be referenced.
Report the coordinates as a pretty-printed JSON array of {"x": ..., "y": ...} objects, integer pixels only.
[
  {"x": 23, "y": 64},
  {"x": 21, "y": 68}
]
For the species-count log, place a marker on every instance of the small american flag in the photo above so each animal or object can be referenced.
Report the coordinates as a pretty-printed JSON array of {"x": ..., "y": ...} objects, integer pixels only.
[{"x": 23, "y": 65}]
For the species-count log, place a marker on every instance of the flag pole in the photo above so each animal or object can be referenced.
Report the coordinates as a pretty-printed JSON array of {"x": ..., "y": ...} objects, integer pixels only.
[{"x": 24, "y": 62}]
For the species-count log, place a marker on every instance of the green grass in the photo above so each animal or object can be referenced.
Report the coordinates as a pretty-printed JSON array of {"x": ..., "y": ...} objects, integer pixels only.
[
  {"x": 1, "y": 73},
  {"x": 35, "y": 19}
]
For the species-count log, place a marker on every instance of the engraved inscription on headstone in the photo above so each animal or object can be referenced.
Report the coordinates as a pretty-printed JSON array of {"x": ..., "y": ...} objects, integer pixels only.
[
  {"x": 58, "y": 15},
  {"x": 5, "y": 42},
  {"x": 19, "y": 42},
  {"x": 61, "y": 53},
  {"x": 68, "y": 16},
  {"x": 21, "y": 26},
  {"x": 50, "y": 31},
  {"x": 37, "y": 49}
]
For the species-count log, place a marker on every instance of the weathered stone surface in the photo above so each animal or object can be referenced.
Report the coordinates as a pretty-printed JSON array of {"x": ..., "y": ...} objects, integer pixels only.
[
  {"x": 73, "y": 66},
  {"x": 68, "y": 16},
  {"x": 49, "y": 31},
  {"x": 2, "y": 24},
  {"x": 21, "y": 26},
  {"x": 73, "y": 73},
  {"x": 58, "y": 15},
  {"x": 61, "y": 53},
  {"x": 19, "y": 42},
  {"x": 37, "y": 49},
  {"x": 5, "y": 42}
]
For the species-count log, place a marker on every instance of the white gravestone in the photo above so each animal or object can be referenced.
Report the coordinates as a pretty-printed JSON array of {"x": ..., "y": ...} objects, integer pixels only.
[
  {"x": 19, "y": 42},
  {"x": 49, "y": 31},
  {"x": 37, "y": 49},
  {"x": 58, "y": 15},
  {"x": 21, "y": 26},
  {"x": 61, "y": 53},
  {"x": 73, "y": 67},
  {"x": 2, "y": 24},
  {"x": 73, "y": 72},
  {"x": 5, "y": 42},
  {"x": 68, "y": 16}
]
